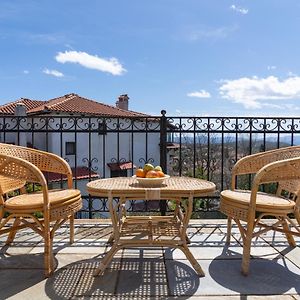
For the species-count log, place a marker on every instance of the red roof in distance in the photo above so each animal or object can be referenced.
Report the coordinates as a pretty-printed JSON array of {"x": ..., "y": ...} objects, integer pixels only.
[
  {"x": 68, "y": 104},
  {"x": 78, "y": 173},
  {"x": 121, "y": 166}
]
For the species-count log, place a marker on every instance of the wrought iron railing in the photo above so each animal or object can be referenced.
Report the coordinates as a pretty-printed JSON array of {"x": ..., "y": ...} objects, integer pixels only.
[{"x": 204, "y": 147}]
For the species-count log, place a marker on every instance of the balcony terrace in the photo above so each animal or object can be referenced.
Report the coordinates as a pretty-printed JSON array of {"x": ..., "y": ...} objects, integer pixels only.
[
  {"x": 185, "y": 146},
  {"x": 150, "y": 273}
]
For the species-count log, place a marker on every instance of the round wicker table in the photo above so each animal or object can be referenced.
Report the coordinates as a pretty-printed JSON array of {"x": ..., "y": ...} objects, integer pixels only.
[{"x": 150, "y": 231}]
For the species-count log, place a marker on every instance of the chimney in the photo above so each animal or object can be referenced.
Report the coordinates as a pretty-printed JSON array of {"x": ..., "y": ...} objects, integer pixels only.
[
  {"x": 20, "y": 113},
  {"x": 20, "y": 110},
  {"x": 122, "y": 102}
]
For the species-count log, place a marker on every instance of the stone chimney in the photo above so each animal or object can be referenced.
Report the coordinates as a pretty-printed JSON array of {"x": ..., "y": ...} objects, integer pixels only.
[
  {"x": 20, "y": 113},
  {"x": 20, "y": 110},
  {"x": 122, "y": 102}
]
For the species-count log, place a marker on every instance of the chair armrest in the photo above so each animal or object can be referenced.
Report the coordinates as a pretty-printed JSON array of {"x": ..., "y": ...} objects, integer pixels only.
[
  {"x": 20, "y": 169},
  {"x": 278, "y": 171},
  {"x": 287, "y": 169}
]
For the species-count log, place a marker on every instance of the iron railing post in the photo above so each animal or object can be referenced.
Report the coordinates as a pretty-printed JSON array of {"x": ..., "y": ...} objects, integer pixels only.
[{"x": 163, "y": 154}]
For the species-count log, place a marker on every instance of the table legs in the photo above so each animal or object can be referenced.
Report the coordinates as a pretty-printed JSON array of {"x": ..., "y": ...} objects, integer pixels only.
[
  {"x": 119, "y": 228},
  {"x": 192, "y": 260},
  {"x": 107, "y": 259}
]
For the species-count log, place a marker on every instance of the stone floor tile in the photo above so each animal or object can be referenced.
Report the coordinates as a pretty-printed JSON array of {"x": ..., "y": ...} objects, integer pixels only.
[
  {"x": 207, "y": 237},
  {"x": 292, "y": 254},
  {"x": 271, "y": 297},
  {"x": 66, "y": 248},
  {"x": 223, "y": 277},
  {"x": 17, "y": 249},
  {"x": 78, "y": 280},
  {"x": 205, "y": 252},
  {"x": 21, "y": 261},
  {"x": 152, "y": 273},
  {"x": 142, "y": 277},
  {"x": 14, "y": 282},
  {"x": 64, "y": 260},
  {"x": 155, "y": 252}
]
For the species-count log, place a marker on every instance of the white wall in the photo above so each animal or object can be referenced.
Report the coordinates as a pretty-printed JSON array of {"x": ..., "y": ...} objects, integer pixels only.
[{"x": 103, "y": 148}]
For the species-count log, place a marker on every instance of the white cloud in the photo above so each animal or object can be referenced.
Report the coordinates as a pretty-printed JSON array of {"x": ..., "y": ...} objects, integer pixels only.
[
  {"x": 26, "y": 72},
  {"x": 95, "y": 62},
  {"x": 200, "y": 94},
  {"x": 253, "y": 92},
  {"x": 192, "y": 34},
  {"x": 238, "y": 9},
  {"x": 292, "y": 74},
  {"x": 53, "y": 73}
]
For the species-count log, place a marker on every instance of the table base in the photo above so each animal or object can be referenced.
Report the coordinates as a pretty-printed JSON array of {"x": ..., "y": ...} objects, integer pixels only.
[{"x": 149, "y": 231}]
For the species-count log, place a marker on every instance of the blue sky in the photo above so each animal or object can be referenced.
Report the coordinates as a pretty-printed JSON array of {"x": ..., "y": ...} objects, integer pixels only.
[{"x": 189, "y": 57}]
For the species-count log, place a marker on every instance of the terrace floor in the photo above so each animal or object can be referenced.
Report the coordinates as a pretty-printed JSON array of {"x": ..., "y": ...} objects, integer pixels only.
[{"x": 150, "y": 273}]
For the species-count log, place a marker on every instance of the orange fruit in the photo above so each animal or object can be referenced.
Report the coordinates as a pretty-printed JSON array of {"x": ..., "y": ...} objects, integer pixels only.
[
  {"x": 140, "y": 173},
  {"x": 151, "y": 174},
  {"x": 160, "y": 174}
]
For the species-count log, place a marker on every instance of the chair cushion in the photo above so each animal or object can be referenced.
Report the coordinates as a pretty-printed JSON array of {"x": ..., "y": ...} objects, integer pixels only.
[
  {"x": 34, "y": 201},
  {"x": 264, "y": 201}
]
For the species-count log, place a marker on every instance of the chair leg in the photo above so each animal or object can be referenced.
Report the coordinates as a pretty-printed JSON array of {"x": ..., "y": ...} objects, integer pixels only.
[
  {"x": 288, "y": 235},
  {"x": 246, "y": 250},
  {"x": 72, "y": 229},
  {"x": 229, "y": 224},
  {"x": 297, "y": 215},
  {"x": 48, "y": 251},
  {"x": 13, "y": 232}
]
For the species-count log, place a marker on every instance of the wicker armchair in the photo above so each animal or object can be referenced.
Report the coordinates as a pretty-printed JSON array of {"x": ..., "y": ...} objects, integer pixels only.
[
  {"x": 19, "y": 166},
  {"x": 280, "y": 166}
]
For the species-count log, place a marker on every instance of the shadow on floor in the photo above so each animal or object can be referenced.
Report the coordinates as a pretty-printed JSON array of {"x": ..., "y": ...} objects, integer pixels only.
[
  {"x": 126, "y": 278},
  {"x": 20, "y": 272},
  {"x": 265, "y": 276}
]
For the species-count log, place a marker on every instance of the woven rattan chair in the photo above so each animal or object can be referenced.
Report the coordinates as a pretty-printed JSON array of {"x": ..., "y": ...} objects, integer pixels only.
[
  {"x": 280, "y": 166},
  {"x": 19, "y": 166}
]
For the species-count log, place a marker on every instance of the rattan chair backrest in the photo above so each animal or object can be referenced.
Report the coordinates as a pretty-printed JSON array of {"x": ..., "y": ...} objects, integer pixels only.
[
  {"x": 15, "y": 172},
  {"x": 253, "y": 163},
  {"x": 281, "y": 166},
  {"x": 45, "y": 161}
]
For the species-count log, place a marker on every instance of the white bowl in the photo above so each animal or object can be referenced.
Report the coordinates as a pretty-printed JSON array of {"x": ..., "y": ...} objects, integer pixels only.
[{"x": 150, "y": 182}]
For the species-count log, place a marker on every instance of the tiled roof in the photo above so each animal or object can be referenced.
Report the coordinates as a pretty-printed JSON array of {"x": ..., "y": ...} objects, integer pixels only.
[
  {"x": 71, "y": 103},
  {"x": 121, "y": 166},
  {"x": 173, "y": 145},
  {"x": 79, "y": 173},
  {"x": 9, "y": 108}
]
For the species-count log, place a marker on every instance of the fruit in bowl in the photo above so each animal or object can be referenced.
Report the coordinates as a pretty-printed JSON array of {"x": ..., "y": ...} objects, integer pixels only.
[
  {"x": 150, "y": 175},
  {"x": 149, "y": 171},
  {"x": 148, "y": 167}
]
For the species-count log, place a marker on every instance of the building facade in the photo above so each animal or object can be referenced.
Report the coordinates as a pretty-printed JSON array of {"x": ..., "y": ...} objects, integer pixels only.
[{"x": 107, "y": 140}]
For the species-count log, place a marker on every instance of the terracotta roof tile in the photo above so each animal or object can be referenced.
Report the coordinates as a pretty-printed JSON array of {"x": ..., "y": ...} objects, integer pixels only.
[
  {"x": 9, "y": 108},
  {"x": 173, "y": 145},
  {"x": 121, "y": 166},
  {"x": 78, "y": 173},
  {"x": 71, "y": 103}
]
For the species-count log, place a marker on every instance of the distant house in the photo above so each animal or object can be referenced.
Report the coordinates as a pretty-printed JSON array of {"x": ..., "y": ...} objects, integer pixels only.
[{"x": 77, "y": 129}]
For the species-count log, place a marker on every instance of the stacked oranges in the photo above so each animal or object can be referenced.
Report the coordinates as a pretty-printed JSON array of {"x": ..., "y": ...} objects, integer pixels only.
[{"x": 149, "y": 171}]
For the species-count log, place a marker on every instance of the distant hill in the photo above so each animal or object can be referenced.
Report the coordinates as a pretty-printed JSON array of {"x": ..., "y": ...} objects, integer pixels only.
[{"x": 271, "y": 140}]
